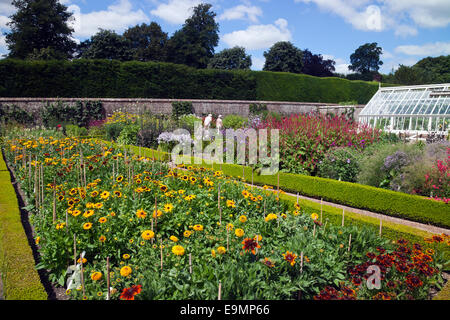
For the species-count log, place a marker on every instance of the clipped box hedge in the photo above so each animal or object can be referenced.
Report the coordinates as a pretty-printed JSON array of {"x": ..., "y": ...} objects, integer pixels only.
[
  {"x": 397, "y": 204},
  {"x": 83, "y": 78},
  {"x": 19, "y": 276}
]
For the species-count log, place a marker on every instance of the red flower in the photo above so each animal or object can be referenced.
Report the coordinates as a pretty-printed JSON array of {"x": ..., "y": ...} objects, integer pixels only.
[{"x": 129, "y": 293}]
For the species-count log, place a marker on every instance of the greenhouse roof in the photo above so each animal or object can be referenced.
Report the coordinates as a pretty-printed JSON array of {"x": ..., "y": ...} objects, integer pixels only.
[
  {"x": 409, "y": 108},
  {"x": 429, "y": 100}
]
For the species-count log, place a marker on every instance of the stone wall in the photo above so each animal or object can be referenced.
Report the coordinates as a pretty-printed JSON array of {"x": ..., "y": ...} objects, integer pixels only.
[{"x": 164, "y": 106}]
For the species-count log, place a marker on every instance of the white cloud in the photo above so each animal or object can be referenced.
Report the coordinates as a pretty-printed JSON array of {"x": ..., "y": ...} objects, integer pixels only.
[
  {"x": 341, "y": 65},
  {"x": 259, "y": 36},
  {"x": 354, "y": 12},
  {"x": 242, "y": 12},
  {"x": 6, "y": 7},
  {"x": 3, "y": 22},
  {"x": 117, "y": 17},
  {"x": 389, "y": 14},
  {"x": 428, "y": 49},
  {"x": 175, "y": 11},
  {"x": 429, "y": 14}
]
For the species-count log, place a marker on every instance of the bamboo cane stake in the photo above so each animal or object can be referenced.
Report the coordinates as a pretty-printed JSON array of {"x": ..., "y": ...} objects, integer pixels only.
[
  {"x": 74, "y": 249},
  {"x": 108, "y": 280},
  {"x": 54, "y": 200},
  {"x": 219, "y": 296},
  {"x": 349, "y": 242},
  {"x": 301, "y": 262},
  {"x": 314, "y": 230},
  {"x": 343, "y": 217},
  {"x": 381, "y": 226},
  {"x": 161, "y": 252},
  {"x": 82, "y": 274},
  {"x": 190, "y": 263}
]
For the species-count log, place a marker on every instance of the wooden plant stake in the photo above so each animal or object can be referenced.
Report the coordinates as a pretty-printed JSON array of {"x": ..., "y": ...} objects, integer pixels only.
[
  {"x": 161, "y": 252},
  {"x": 297, "y": 198},
  {"x": 349, "y": 242},
  {"x": 381, "y": 226},
  {"x": 36, "y": 200},
  {"x": 108, "y": 280},
  {"x": 54, "y": 200},
  {"x": 228, "y": 237},
  {"x": 75, "y": 249},
  {"x": 219, "y": 296},
  {"x": 190, "y": 263},
  {"x": 220, "y": 209},
  {"x": 301, "y": 262},
  {"x": 314, "y": 230},
  {"x": 343, "y": 217},
  {"x": 82, "y": 274}
]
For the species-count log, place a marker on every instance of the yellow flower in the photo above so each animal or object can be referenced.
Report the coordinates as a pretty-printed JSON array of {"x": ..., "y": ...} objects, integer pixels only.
[
  {"x": 102, "y": 220},
  {"x": 102, "y": 238},
  {"x": 125, "y": 271},
  {"x": 213, "y": 253},
  {"x": 230, "y": 227},
  {"x": 141, "y": 213},
  {"x": 99, "y": 205},
  {"x": 95, "y": 276},
  {"x": 221, "y": 250},
  {"x": 87, "y": 214},
  {"x": 314, "y": 216},
  {"x": 87, "y": 226},
  {"x": 104, "y": 195},
  {"x": 126, "y": 256},
  {"x": 168, "y": 207},
  {"x": 187, "y": 233},
  {"x": 173, "y": 238},
  {"x": 231, "y": 203},
  {"x": 242, "y": 219},
  {"x": 271, "y": 216},
  {"x": 239, "y": 233},
  {"x": 198, "y": 227},
  {"x": 178, "y": 250},
  {"x": 148, "y": 234},
  {"x": 157, "y": 213},
  {"x": 38, "y": 239}
]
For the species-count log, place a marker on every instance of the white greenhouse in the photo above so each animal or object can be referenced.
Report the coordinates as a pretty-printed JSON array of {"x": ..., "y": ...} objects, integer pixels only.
[{"x": 411, "y": 109}]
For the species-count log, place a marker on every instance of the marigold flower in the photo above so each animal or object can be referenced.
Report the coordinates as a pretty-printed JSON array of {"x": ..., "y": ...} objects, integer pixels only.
[
  {"x": 314, "y": 216},
  {"x": 221, "y": 250},
  {"x": 95, "y": 276},
  {"x": 141, "y": 213},
  {"x": 178, "y": 250},
  {"x": 102, "y": 220},
  {"x": 125, "y": 271},
  {"x": 250, "y": 244},
  {"x": 87, "y": 226},
  {"x": 173, "y": 238},
  {"x": 147, "y": 235},
  {"x": 242, "y": 219},
  {"x": 102, "y": 238},
  {"x": 290, "y": 257},
  {"x": 198, "y": 227},
  {"x": 231, "y": 203},
  {"x": 239, "y": 233},
  {"x": 271, "y": 216}
]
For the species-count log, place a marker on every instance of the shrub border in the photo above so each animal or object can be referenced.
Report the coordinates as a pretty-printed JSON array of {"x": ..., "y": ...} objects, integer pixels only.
[{"x": 20, "y": 279}]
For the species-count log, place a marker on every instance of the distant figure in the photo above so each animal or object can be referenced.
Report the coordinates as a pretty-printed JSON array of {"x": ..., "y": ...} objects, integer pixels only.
[
  {"x": 219, "y": 124},
  {"x": 208, "y": 121}
]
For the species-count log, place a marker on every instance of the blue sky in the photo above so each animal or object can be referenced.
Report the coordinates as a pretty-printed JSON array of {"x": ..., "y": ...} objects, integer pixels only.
[{"x": 407, "y": 30}]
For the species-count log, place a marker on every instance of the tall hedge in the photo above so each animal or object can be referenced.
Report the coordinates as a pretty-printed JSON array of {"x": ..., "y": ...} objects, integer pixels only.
[{"x": 114, "y": 79}]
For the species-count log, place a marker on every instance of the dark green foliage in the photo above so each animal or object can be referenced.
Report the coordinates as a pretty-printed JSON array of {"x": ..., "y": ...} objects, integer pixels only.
[
  {"x": 194, "y": 43},
  {"x": 340, "y": 164},
  {"x": 114, "y": 79},
  {"x": 315, "y": 65},
  {"x": 79, "y": 113},
  {"x": 15, "y": 114},
  {"x": 233, "y": 121},
  {"x": 283, "y": 56},
  {"x": 258, "y": 108},
  {"x": 37, "y": 25},
  {"x": 366, "y": 58},
  {"x": 75, "y": 131},
  {"x": 147, "y": 42},
  {"x": 180, "y": 108},
  {"x": 107, "y": 44},
  {"x": 231, "y": 59}
]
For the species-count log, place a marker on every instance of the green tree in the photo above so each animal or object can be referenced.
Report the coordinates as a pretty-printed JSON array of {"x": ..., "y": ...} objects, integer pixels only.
[
  {"x": 148, "y": 42},
  {"x": 410, "y": 76},
  {"x": 37, "y": 25},
  {"x": 315, "y": 65},
  {"x": 435, "y": 69},
  {"x": 231, "y": 59},
  {"x": 366, "y": 58},
  {"x": 107, "y": 44},
  {"x": 194, "y": 43},
  {"x": 285, "y": 57}
]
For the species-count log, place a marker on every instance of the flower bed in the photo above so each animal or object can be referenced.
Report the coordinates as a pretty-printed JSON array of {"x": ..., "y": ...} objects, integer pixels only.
[{"x": 175, "y": 234}]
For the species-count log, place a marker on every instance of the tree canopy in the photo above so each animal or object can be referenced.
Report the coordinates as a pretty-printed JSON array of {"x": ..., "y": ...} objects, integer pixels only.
[
  {"x": 366, "y": 58},
  {"x": 147, "y": 42},
  {"x": 38, "y": 25},
  {"x": 194, "y": 43},
  {"x": 283, "y": 56},
  {"x": 230, "y": 59},
  {"x": 315, "y": 65},
  {"x": 107, "y": 44}
]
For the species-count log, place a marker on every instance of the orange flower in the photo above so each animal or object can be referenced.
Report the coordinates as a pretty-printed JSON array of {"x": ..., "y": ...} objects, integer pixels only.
[
  {"x": 290, "y": 257},
  {"x": 250, "y": 244}
]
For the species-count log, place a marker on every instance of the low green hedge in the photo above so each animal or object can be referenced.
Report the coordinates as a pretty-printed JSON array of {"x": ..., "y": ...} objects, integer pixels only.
[
  {"x": 355, "y": 195},
  {"x": 19, "y": 276}
]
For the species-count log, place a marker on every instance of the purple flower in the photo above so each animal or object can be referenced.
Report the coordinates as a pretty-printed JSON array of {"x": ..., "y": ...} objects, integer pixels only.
[{"x": 348, "y": 160}]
